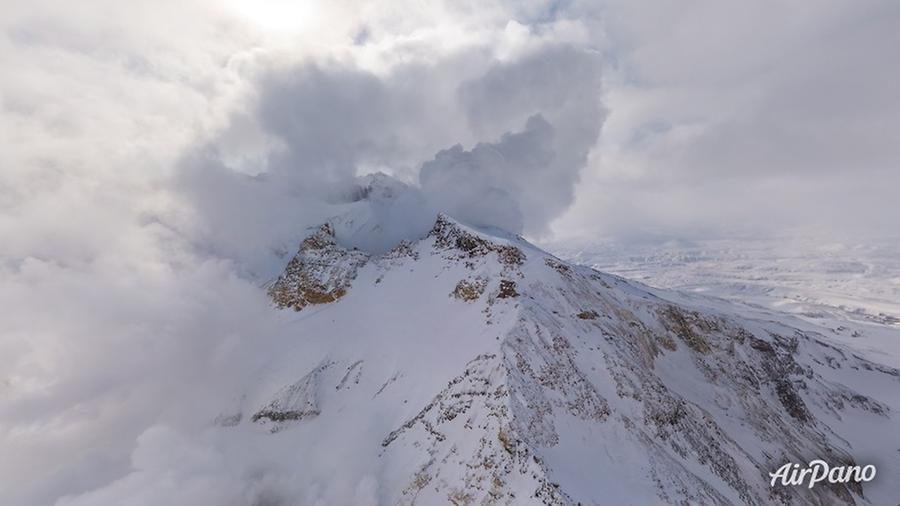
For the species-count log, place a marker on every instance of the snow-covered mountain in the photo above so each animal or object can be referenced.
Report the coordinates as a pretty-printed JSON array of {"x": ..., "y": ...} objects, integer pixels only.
[
  {"x": 470, "y": 367},
  {"x": 808, "y": 277}
]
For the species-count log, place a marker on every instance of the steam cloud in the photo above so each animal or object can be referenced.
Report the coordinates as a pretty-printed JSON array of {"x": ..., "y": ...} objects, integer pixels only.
[
  {"x": 130, "y": 274},
  {"x": 325, "y": 121},
  {"x": 162, "y": 157}
]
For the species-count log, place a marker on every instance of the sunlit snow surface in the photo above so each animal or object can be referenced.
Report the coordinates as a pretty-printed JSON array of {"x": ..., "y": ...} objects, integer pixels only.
[
  {"x": 472, "y": 367},
  {"x": 851, "y": 288}
]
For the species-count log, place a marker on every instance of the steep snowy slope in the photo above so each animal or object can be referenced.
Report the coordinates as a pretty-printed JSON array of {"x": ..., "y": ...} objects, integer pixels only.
[{"x": 470, "y": 367}]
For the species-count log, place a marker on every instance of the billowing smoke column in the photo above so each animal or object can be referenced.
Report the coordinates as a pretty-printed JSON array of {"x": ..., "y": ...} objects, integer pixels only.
[
  {"x": 134, "y": 308},
  {"x": 531, "y": 123}
]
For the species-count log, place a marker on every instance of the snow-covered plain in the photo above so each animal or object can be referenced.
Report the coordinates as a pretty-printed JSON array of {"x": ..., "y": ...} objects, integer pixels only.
[{"x": 850, "y": 288}]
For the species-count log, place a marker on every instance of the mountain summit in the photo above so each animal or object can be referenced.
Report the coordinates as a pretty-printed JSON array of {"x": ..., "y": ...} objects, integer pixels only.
[{"x": 471, "y": 367}]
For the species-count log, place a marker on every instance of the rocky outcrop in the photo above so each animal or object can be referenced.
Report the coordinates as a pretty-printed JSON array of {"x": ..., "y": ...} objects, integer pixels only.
[
  {"x": 294, "y": 402},
  {"x": 461, "y": 242},
  {"x": 709, "y": 402},
  {"x": 320, "y": 272},
  {"x": 469, "y": 290},
  {"x": 476, "y": 402}
]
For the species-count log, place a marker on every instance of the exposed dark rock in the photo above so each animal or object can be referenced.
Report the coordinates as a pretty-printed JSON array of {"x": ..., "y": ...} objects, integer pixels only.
[
  {"x": 507, "y": 289},
  {"x": 682, "y": 324},
  {"x": 588, "y": 315},
  {"x": 469, "y": 290},
  {"x": 320, "y": 272},
  {"x": 448, "y": 235},
  {"x": 294, "y": 402}
]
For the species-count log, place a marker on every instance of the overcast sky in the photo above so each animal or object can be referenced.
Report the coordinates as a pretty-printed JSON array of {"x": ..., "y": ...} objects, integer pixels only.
[
  {"x": 154, "y": 151},
  {"x": 693, "y": 119}
]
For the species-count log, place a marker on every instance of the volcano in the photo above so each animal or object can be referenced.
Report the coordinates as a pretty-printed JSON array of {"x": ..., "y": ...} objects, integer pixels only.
[{"x": 471, "y": 367}]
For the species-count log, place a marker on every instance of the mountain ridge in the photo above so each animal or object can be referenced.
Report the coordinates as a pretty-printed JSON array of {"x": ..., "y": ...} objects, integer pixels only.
[{"x": 482, "y": 370}]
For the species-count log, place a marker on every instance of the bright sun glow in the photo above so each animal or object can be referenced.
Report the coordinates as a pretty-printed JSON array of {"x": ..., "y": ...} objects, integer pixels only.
[{"x": 277, "y": 15}]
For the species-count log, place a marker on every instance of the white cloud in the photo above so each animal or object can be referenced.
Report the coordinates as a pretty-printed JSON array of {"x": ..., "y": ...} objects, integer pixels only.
[
  {"x": 160, "y": 153},
  {"x": 766, "y": 118},
  {"x": 157, "y": 152}
]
